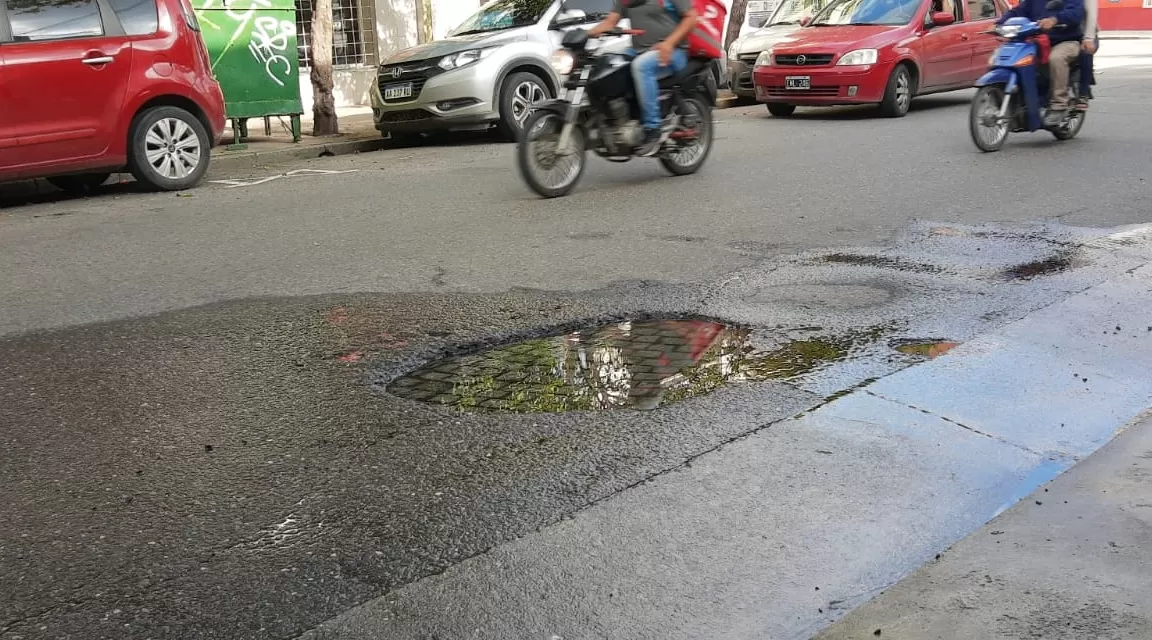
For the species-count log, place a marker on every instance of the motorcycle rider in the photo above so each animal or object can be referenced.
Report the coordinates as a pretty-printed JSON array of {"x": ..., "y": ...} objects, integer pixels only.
[
  {"x": 1088, "y": 47},
  {"x": 1065, "y": 46},
  {"x": 661, "y": 51}
]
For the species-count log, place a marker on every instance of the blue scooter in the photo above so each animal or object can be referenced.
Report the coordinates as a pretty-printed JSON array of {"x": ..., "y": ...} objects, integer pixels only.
[{"x": 1013, "y": 94}]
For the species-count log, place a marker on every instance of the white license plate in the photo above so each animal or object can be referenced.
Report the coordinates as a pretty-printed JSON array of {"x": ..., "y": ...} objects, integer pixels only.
[
  {"x": 398, "y": 91},
  {"x": 759, "y": 6},
  {"x": 798, "y": 82}
]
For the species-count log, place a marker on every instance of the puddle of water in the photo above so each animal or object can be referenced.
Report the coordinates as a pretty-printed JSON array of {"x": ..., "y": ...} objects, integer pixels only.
[
  {"x": 881, "y": 262},
  {"x": 1030, "y": 270},
  {"x": 925, "y": 348},
  {"x": 632, "y": 364}
]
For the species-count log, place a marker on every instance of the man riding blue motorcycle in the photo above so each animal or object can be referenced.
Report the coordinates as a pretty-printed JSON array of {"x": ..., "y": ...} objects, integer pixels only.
[{"x": 1064, "y": 27}]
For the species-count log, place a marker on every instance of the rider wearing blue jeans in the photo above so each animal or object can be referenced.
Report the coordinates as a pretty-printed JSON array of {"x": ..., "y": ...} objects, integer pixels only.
[{"x": 661, "y": 51}]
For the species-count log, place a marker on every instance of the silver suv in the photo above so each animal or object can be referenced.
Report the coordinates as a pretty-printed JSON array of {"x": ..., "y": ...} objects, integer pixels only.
[{"x": 489, "y": 70}]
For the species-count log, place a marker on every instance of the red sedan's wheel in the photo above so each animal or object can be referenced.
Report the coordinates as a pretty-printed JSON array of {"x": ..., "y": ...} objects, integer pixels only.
[{"x": 898, "y": 94}]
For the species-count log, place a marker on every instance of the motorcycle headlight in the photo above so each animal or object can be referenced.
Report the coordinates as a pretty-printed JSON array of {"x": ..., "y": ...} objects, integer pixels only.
[
  {"x": 1008, "y": 30},
  {"x": 764, "y": 59},
  {"x": 463, "y": 58},
  {"x": 859, "y": 57},
  {"x": 562, "y": 62}
]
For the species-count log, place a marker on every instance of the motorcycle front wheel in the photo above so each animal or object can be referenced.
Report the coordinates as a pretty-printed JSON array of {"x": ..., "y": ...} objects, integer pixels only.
[
  {"x": 691, "y": 141},
  {"x": 548, "y": 170},
  {"x": 988, "y": 129}
]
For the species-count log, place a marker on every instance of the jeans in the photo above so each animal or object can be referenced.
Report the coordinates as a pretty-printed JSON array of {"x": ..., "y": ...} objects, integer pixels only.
[
  {"x": 1086, "y": 71},
  {"x": 646, "y": 75},
  {"x": 1060, "y": 63}
]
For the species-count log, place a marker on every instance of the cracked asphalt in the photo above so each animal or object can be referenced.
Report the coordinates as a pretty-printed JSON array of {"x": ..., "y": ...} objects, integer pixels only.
[{"x": 187, "y": 455}]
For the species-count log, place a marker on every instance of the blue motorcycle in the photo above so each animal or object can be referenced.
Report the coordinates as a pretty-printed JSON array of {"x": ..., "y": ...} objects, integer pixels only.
[{"x": 1013, "y": 94}]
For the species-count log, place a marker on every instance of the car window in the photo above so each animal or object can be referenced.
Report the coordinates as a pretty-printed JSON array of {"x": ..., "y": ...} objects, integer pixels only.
[
  {"x": 35, "y": 20},
  {"x": 948, "y": 6},
  {"x": 868, "y": 12},
  {"x": 503, "y": 14},
  {"x": 793, "y": 11},
  {"x": 594, "y": 8},
  {"x": 982, "y": 9},
  {"x": 138, "y": 17}
]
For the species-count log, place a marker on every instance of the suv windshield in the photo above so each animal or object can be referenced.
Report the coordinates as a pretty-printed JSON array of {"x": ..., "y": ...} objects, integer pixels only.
[
  {"x": 868, "y": 12},
  {"x": 503, "y": 14},
  {"x": 793, "y": 11}
]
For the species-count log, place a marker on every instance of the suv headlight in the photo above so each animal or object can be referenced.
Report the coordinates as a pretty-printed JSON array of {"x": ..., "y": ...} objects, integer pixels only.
[
  {"x": 733, "y": 51},
  {"x": 463, "y": 58},
  {"x": 859, "y": 57},
  {"x": 562, "y": 62},
  {"x": 764, "y": 59}
]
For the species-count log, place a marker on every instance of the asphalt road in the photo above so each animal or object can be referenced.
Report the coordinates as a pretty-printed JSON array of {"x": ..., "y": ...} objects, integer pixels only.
[
  {"x": 224, "y": 470},
  {"x": 459, "y": 219}
]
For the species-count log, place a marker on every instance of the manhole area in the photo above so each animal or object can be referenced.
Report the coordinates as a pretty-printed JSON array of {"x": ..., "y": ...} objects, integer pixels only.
[{"x": 638, "y": 365}]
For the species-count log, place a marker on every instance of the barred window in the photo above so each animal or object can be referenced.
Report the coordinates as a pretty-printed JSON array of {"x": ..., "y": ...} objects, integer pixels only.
[{"x": 353, "y": 32}]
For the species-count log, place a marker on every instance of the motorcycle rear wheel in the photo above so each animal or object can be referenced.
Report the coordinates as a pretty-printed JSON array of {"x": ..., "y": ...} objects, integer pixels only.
[
  {"x": 547, "y": 172},
  {"x": 985, "y": 106},
  {"x": 1071, "y": 126},
  {"x": 687, "y": 158}
]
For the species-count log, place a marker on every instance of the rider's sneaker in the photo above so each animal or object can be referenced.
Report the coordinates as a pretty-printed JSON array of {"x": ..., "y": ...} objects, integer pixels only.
[
  {"x": 1055, "y": 117},
  {"x": 653, "y": 140},
  {"x": 1081, "y": 104}
]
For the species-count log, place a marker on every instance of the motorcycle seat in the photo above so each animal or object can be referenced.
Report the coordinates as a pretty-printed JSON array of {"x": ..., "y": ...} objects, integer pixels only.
[{"x": 694, "y": 66}]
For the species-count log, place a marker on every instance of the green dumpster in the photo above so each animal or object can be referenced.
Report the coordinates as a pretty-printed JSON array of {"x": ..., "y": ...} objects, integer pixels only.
[{"x": 252, "y": 47}]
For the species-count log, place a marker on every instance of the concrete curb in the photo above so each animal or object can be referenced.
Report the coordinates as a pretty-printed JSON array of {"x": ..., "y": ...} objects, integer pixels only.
[{"x": 239, "y": 160}]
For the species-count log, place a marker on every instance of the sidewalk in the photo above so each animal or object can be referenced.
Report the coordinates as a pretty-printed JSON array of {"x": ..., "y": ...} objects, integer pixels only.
[
  {"x": 1071, "y": 562},
  {"x": 357, "y": 135}
]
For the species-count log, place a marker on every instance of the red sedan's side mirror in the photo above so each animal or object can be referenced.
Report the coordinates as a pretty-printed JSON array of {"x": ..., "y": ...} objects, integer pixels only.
[
  {"x": 805, "y": 21},
  {"x": 942, "y": 18}
]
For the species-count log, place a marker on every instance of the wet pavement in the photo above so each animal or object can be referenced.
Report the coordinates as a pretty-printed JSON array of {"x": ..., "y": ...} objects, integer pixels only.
[{"x": 225, "y": 453}]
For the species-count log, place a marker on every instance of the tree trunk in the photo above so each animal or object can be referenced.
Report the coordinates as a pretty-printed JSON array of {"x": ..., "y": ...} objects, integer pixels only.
[
  {"x": 324, "y": 121},
  {"x": 735, "y": 21}
]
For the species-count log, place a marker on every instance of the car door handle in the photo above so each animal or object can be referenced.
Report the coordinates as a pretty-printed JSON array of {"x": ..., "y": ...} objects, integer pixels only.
[
  {"x": 964, "y": 36},
  {"x": 100, "y": 60}
]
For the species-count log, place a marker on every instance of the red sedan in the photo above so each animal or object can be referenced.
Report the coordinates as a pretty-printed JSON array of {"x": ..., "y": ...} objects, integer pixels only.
[{"x": 878, "y": 52}]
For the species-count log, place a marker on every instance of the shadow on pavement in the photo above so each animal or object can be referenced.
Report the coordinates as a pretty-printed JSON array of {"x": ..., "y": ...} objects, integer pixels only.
[
  {"x": 871, "y": 112},
  {"x": 28, "y": 192}
]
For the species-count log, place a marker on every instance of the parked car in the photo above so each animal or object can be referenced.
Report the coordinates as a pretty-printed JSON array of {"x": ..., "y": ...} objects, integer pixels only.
[
  {"x": 90, "y": 87},
  {"x": 878, "y": 51},
  {"x": 744, "y": 52},
  {"x": 489, "y": 70}
]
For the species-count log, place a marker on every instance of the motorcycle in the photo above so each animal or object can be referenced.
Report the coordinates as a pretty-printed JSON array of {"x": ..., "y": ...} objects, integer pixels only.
[
  {"x": 600, "y": 111},
  {"x": 1012, "y": 95}
]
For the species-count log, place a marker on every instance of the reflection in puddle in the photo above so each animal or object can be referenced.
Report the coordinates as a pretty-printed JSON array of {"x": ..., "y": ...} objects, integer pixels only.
[
  {"x": 631, "y": 364},
  {"x": 925, "y": 348}
]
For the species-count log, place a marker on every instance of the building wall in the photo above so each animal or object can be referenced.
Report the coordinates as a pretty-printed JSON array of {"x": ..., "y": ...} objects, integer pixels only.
[
  {"x": 396, "y": 29},
  {"x": 1126, "y": 15}
]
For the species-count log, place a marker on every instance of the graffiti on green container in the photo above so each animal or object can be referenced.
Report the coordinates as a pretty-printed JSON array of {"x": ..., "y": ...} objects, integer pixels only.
[{"x": 269, "y": 39}]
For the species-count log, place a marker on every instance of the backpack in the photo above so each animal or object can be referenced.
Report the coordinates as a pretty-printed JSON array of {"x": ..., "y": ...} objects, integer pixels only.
[{"x": 707, "y": 39}]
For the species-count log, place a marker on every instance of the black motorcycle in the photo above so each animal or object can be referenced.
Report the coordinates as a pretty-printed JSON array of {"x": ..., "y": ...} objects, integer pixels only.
[{"x": 600, "y": 111}]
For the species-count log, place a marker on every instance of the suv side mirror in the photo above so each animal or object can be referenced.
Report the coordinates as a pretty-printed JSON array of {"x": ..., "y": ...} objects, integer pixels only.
[
  {"x": 942, "y": 18},
  {"x": 568, "y": 17}
]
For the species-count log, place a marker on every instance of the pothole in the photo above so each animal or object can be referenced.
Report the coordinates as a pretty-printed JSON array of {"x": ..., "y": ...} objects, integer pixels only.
[
  {"x": 927, "y": 349},
  {"x": 639, "y": 364},
  {"x": 880, "y": 262},
  {"x": 1030, "y": 270}
]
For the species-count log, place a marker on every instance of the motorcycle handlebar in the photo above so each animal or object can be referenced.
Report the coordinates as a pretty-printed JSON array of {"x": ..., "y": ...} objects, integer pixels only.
[{"x": 620, "y": 32}]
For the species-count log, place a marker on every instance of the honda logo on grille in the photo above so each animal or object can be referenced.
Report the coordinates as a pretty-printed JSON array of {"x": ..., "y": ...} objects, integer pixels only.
[{"x": 800, "y": 60}]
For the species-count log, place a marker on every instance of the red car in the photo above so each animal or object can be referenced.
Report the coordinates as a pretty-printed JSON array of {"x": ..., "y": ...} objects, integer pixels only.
[
  {"x": 90, "y": 87},
  {"x": 878, "y": 52}
]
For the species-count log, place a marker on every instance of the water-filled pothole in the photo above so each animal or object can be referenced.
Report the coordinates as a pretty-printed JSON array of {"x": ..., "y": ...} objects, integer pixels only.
[
  {"x": 881, "y": 262},
  {"x": 925, "y": 348},
  {"x": 630, "y": 364}
]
